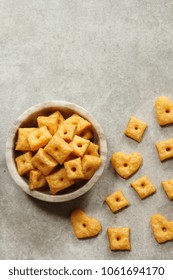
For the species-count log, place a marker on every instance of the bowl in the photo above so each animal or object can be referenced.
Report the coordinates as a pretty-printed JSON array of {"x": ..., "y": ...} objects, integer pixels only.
[{"x": 28, "y": 119}]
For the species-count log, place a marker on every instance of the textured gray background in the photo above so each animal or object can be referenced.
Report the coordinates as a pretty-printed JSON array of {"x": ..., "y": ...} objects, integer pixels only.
[{"x": 113, "y": 58}]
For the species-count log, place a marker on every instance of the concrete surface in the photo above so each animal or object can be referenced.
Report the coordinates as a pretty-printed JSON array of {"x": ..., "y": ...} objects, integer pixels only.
[{"x": 113, "y": 58}]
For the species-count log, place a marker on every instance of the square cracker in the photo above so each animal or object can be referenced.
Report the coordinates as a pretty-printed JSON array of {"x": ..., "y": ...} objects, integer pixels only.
[
  {"x": 168, "y": 188},
  {"x": 165, "y": 149},
  {"x": 93, "y": 150},
  {"x": 22, "y": 139},
  {"x": 58, "y": 181},
  {"x": 36, "y": 179},
  {"x": 119, "y": 238},
  {"x": 44, "y": 162},
  {"x": 49, "y": 122},
  {"x": 143, "y": 187},
  {"x": 117, "y": 201},
  {"x": 58, "y": 149},
  {"x": 24, "y": 163},
  {"x": 58, "y": 116},
  {"x": 135, "y": 129},
  {"x": 67, "y": 131},
  {"x": 79, "y": 145},
  {"x": 89, "y": 165},
  {"x": 81, "y": 123},
  {"x": 86, "y": 134},
  {"x": 74, "y": 169},
  {"x": 39, "y": 138}
]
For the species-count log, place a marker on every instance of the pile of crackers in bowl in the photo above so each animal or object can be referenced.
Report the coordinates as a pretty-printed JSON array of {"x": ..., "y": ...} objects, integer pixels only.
[{"x": 58, "y": 149}]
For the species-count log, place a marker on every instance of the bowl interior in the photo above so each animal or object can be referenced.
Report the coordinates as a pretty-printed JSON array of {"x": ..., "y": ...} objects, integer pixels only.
[{"x": 29, "y": 119}]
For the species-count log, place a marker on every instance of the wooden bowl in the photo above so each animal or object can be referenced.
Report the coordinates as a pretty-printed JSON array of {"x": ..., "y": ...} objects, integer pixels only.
[{"x": 28, "y": 119}]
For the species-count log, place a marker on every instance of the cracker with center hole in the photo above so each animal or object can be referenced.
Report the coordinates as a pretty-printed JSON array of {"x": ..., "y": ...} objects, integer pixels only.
[
  {"x": 92, "y": 150},
  {"x": 164, "y": 110},
  {"x": 74, "y": 169},
  {"x": 49, "y": 122},
  {"x": 81, "y": 123},
  {"x": 168, "y": 188},
  {"x": 119, "y": 239},
  {"x": 117, "y": 201},
  {"x": 83, "y": 225},
  {"x": 135, "y": 129},
  {"x": 89, "y": 165},
  {"x": 44, "y": 162},
  {"x": 67, "y": 131},
  {"x": 58, "y": 116},
  {"x": 126, "y": 164},
  {"x": 24, "y": 163},
  {"x": 22, "y": 138},
  {"x": 36, "y": 180},
  {"x": 58, "y": 149},
  {"x": 39, "y": 138},
  {"x": 143, "y": 187},
  {"x": 162, "y": 228},
  {"x": 79, "y": 145},
  {"x": 165, "y": 149},
  {"x": 59, "y": 181}
]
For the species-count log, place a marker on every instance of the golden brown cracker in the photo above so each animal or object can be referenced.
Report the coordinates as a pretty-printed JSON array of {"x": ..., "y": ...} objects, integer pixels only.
[
  {"x": 135, "y": 129},
  {"x": 164, "y": 110},
  {"x": 58, "y": 149},
  {"x": 162, "y": 228},
  {"x": 36, "y": 180},
  {"x": 126, "y": 164},
  {"x": 117, "y": 201},
  {"x": 119, "y": 239},
  {"x": 74, "y": 169},
  {"x": 143, "y": 187},
  {"x": 165, "y": 149},
  {"x": 24, "y": 163},
  {"x": 168, "y": 188},
  {"x": 22, "y": 138},
  {"x": 58, "y": 181},
  {"x": 83, "y": 225},
  {"x": 44, "y": 162},
  {"x": 39, "y": 138},
  {"x": 89, "y": 165}
]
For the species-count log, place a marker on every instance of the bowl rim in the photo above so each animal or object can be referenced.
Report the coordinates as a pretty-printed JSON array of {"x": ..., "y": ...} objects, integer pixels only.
[{"x": 10, "y": 150}]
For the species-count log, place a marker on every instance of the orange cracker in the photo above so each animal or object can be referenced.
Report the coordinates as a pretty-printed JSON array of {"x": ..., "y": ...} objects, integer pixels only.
[{"x": 117, "y": 201}]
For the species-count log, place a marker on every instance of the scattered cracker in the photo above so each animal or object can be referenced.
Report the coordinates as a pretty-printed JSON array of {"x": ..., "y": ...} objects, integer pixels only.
[
  {"x": 117, "y": 201},
  {"x": 168, "y": 188},
  {"x": 165, "y": 149},
  {"x": 119, "y": 238},
  {"x": 44, "y": 162},
  {"x": 36, "y": 179},
  {"x": 143, "y": 187},
  {"x": 164, "y": 110},
  {"x": 126, "y": 164},
  {"x": 135, "y": 129},
  {"x": 83, "y": 225},
  {"x": 24, "y": 163},
  {"x": 162, "y": 228},
  {"x": 58, "y": 181},
  {"x": 74, "y": 169}
]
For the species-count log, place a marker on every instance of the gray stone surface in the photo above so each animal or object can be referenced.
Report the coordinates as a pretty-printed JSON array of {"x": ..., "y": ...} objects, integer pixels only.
[{"x": 113, "y": 58}]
